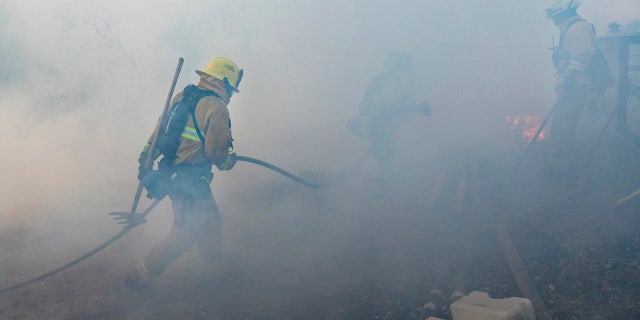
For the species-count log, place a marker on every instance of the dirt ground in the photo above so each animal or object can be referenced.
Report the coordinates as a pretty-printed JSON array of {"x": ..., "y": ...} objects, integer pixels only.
[{"x": 296, "y": 253}]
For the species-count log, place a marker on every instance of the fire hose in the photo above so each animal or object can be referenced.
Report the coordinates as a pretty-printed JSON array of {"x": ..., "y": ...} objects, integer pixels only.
[
  {"x": 82, "y": 257},
  {"x": 281, "y": 171}
]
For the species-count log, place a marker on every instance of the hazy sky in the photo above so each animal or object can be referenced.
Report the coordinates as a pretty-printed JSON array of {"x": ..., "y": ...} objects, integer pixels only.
[{"x": 82, "y": 82}]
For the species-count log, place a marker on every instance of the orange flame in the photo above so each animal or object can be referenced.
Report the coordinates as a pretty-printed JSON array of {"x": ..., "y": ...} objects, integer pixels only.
[{"x": 527, "y": 125}]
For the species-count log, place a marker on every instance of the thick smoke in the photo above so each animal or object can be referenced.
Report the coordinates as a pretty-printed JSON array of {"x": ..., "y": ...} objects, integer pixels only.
[{"x": 83, "y": 82}]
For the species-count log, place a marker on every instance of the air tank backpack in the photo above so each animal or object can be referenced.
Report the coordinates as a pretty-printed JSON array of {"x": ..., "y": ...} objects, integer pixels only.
[
  {"x": 157, "y": 182},
  {"x": 599, "y": 72}
]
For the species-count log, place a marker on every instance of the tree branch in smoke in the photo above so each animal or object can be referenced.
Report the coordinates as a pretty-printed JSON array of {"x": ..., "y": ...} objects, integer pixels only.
[{"x": 102, "y": 27}]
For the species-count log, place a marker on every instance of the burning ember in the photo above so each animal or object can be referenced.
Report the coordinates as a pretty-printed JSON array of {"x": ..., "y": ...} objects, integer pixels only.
[{"x": 527, "y": 125}]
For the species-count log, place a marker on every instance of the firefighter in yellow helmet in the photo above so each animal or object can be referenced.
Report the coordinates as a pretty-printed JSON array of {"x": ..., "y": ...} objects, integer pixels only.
[{"x": 196, "y": 216}]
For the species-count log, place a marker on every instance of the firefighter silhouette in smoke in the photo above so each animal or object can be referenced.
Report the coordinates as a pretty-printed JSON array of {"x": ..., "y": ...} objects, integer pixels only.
[
  {"x": 386, "y": 98},
  {"x": 205, "y": 141},
  {"x": 573, "y": 59}
]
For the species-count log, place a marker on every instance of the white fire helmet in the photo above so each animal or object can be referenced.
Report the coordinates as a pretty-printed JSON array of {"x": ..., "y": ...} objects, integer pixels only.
[{"x": 559, "y": 6}]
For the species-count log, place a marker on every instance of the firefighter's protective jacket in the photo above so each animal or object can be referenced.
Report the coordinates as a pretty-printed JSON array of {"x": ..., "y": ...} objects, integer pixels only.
[{"x": 577, "y": 46}]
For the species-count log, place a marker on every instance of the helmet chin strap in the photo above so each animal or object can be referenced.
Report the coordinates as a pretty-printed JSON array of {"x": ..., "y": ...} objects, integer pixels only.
[{"x": 228, "y": 88}]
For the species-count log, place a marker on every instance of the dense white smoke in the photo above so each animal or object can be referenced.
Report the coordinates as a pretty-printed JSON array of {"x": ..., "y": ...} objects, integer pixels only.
[{"x": 83, "y": 82}]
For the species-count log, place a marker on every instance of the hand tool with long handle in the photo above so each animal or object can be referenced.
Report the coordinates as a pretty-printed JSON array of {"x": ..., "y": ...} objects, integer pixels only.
[{"x": 152, "y": 148}]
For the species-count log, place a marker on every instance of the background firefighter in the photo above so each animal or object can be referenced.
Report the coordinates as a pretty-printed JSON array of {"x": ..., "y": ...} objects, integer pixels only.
[
  {"x": 385, "y": 98},
  {"x": 572, "y": 58},
  {"x": 196, "y": 215}
]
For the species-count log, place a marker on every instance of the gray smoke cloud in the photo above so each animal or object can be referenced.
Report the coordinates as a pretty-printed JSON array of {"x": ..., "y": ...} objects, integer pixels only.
[{"x": 82, "y": 84}]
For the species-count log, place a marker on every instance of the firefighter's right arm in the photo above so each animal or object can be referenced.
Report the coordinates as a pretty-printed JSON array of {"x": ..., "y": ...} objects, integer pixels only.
[{"x": 218, "y": 138}]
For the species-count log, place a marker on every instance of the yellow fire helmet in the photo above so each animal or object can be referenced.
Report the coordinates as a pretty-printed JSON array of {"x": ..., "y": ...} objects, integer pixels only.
[{"x": 225, "y": 70}]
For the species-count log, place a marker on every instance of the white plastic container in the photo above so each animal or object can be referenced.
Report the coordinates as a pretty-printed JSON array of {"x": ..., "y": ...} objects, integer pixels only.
[{"x": 479, "y": 306}]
